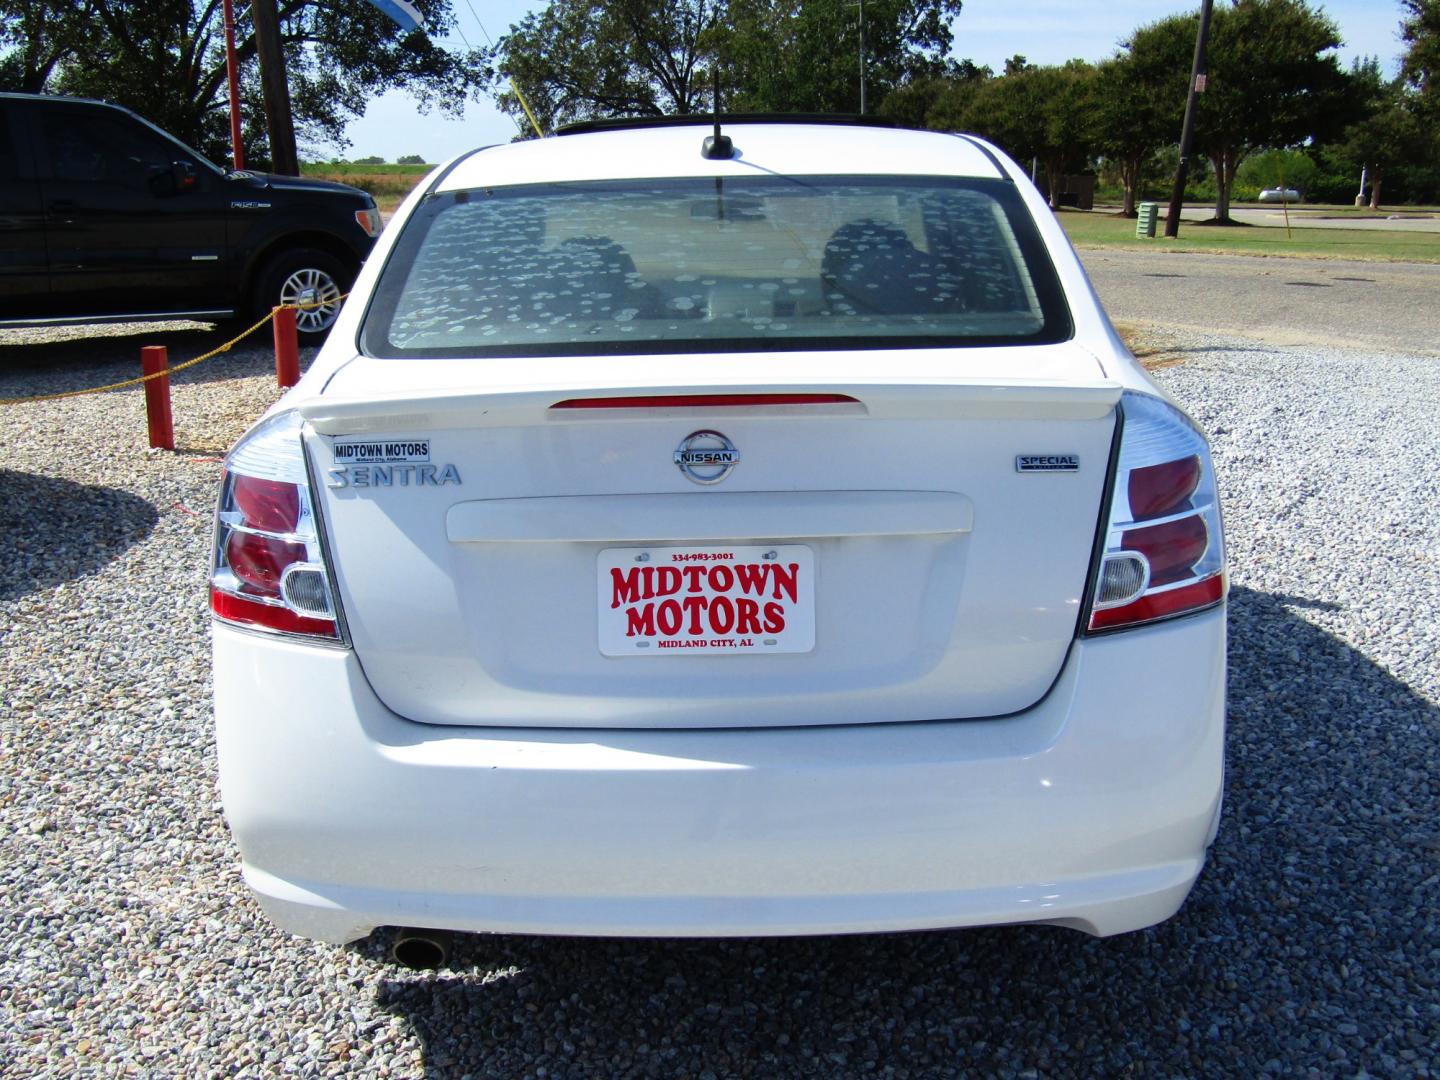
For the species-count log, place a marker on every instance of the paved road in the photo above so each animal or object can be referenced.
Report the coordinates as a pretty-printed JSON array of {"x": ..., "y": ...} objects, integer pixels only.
[
  {"x": 1390, "y": 306},
  {"x": 1305, "y": 217},
  {"x": 1317, "y": 219}
]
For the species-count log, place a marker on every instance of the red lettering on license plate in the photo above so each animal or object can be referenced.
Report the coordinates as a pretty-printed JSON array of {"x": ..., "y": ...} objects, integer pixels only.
[{"x": 734, "y": 600}]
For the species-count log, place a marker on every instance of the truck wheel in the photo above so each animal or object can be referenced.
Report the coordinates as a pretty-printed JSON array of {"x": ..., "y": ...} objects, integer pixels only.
[{"x": 311, "y": 279}]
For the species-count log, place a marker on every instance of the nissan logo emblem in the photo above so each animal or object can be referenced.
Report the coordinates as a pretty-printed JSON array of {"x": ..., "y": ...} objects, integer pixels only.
[{"x": 707, "y": 457}]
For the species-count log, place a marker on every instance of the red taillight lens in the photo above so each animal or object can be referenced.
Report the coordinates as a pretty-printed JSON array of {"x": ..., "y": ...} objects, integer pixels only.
[
  {"x": 259, "y": 561},
  {"x": 269, "y": 570},
  {"x": 1164, "y": 554},
  {"x": 1172, "y": 549},
  {"x": 246, "y": 612},
  {"x": 1156, "y": 490},
  {"x": 1200, "y": 594},
  {"x": 271, "y": 505}
]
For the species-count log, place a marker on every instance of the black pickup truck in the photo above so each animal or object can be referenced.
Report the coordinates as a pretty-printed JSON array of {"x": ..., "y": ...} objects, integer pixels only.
[{"x": 104, "y": 217}]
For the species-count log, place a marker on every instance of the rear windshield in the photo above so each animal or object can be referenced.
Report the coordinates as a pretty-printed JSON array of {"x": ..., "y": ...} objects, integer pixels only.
[{"x": 705, "y": 265}]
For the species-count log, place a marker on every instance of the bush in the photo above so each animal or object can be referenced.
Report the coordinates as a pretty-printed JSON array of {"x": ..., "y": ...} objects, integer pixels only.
[{"x": 1273, "y": 169}]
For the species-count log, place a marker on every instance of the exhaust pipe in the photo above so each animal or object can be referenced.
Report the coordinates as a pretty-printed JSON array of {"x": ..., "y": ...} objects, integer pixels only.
[{"x": 421, "y": 950}]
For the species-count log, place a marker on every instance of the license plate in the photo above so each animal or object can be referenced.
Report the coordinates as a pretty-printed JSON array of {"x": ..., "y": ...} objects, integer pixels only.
[{"x": 707, "y": 601}]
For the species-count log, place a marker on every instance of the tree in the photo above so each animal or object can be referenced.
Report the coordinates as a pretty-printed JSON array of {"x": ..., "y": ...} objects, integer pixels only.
[
  {"x": 936, "y": 102},
  {"x": 1132, "y": 119},
  {"x": 410, "y": 159},
  {"x": 165, "y": 59},
  {"x": 1274, "y": 80},
  {"x": 35, "y": 37},
  {"x": 579, "y": 59},
  {"x": 794, "y": 56},
  {"x": 1040, "y": 113},
  {"x": 1388, "y": 132},
  {"x": 1421, "y": 64}
]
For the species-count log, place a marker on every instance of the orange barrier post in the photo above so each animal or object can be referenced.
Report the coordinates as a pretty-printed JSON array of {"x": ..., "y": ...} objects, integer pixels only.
[
  {"x": 154, "y": 360},
  {"x": 287, "y": 348}
]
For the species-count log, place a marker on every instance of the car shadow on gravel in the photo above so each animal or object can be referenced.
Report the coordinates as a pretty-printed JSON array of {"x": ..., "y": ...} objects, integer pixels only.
[
  {"x": 1309, "y": 944},
  {"x": 53, "y": 531}
]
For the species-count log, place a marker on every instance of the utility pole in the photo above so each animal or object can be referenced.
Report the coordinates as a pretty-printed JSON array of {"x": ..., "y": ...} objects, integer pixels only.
[
  {"x": 276, "y": 88},
  {"x": 232, "y": 80},
  {"x": 1187, "y": 131}
]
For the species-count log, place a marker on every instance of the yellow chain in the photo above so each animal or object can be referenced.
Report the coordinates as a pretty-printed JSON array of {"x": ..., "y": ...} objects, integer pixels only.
[{"x": 171, "y": 370}]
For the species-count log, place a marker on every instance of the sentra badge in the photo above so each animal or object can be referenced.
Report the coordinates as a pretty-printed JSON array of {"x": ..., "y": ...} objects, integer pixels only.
[
  {"x": 398, "y": 475},
  {"x": 706, "y": 457}
]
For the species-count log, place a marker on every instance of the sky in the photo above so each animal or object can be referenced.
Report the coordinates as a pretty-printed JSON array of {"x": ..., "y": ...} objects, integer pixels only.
[{"x": 987, "y": 31}]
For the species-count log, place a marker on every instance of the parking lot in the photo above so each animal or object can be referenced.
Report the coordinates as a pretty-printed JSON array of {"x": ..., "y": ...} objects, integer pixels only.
[{"x": 1311, "y": 946}]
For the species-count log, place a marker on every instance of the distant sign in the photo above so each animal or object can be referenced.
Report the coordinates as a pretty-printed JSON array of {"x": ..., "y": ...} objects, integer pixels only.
[{"x": 404, "y": 14}]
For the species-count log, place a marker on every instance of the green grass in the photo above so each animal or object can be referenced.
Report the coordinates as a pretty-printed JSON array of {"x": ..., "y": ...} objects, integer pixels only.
[
  {"x": 388, "y": 183},
  {"x": 1112, "y": 231}
]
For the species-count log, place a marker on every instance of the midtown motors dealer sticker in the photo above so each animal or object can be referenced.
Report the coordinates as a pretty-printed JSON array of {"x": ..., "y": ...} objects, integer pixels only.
[
  {"x": 693, "y": 601},
  {"x": 383, "y": 451}
]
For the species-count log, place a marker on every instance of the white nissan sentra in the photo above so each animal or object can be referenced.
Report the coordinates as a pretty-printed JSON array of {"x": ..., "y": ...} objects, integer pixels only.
[{"x": 685, "y": 538}]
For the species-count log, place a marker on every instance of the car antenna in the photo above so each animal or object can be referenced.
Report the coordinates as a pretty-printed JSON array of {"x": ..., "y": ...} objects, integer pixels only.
[{"x": 717, "y": 146}]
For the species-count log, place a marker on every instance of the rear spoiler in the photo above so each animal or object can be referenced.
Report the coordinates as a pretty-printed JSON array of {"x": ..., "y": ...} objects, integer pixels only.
[{"x": 882, "y": 399}]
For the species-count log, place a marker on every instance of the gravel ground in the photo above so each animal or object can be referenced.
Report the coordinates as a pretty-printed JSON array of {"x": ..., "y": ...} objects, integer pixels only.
[{"x": 1310, "y": 947}]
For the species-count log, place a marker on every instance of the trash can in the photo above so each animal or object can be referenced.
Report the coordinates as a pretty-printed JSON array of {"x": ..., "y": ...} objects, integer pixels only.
[{"x": 1149, "y": 216}]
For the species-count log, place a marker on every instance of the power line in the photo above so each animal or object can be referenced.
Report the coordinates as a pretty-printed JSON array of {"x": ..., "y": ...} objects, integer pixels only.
[{"x": 474, "y": 15}]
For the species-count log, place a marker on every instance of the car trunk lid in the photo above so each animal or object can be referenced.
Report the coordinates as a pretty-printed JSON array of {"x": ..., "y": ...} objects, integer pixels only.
[{"x": 492, "y": 547}]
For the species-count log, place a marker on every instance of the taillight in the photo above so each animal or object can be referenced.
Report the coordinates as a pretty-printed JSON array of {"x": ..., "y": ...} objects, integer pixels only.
[
  {"x": 268, "y": 570},
  {"x": 1164, "y": 553}
]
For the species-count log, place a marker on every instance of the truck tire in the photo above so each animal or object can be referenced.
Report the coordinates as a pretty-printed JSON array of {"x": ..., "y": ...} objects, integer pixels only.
[{"x": 309, "y": 277}]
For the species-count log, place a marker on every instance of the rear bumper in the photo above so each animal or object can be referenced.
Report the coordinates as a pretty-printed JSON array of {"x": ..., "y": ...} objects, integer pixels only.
[{"x": 1090, "y": 810}]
